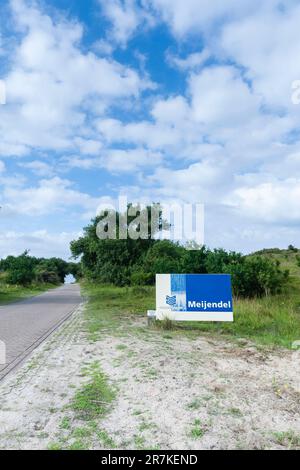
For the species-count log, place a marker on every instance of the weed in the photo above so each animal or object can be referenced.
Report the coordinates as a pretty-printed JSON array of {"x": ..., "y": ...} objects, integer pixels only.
[
  {"x": 105, "y": 439},
  {"x": 82, "y": 432},
  {"x": 78, "y": 445},
  {"x": 139, "y": 442},
  {"x": 144, "y": 426},
  {"x": 195, "y": 404},
  {"x": 93, "y": 399},
  {"x": 165, "y": 324},
  {"x": 65, "y": 423},
  {"x": 54, "y": 446},
  {"x": 287, "y": 439},
  {"x": 235, "y": 412},
  {"x": 197, "y": 430}
]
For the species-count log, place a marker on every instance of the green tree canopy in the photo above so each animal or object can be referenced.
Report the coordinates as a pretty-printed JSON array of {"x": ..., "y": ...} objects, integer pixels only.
[{"x": 129, "y": 261}]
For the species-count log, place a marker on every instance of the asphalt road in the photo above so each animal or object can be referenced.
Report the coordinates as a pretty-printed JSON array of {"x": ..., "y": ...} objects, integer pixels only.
[{"x": 24, "y": 325}]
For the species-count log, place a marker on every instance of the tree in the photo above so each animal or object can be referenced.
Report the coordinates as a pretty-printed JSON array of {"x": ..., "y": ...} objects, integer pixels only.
[
  {"x": 126, "y": 261},
  {"x": 292, "y": 248},
  {"x": 55, "y": 265},
  {"x": 25, "y": 269},
  {"x": 44, "y": 275},
  {"x": 75, "y": 269},
  {"x": 257, "y": 276},
  {"x": 114, "y": 260},
  {"x": 21, "y": 269},
  {"x": 163, "y": 256}
]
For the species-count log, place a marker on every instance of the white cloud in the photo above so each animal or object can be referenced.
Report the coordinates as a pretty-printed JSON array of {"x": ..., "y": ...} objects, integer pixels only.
[
  {"x": 171, "y": 110},
  {"x": 49, "y": 196},
  {"x": 267, "y": 44},
  {"x": 118, "y": 160},
  {"x": 88, "y": 146},
  {"x": 275, "y": 201},
  {"x": 125, "y": 17},
  {"x": 285, "y": 165},
  {"x": 221, "y": 97},
  {"x": 188, "y": 16},
  {"x": 103, "y": 47},
  {"x": 41, "y": 243},
  {"x": 192, "y": 61},
  {"x": 131, "y": 160},
  {"x": 230, "y": 139},
  {"x": 139, "y": 133},
  {"x": 191, "y": 184},
  {"x": 51, "y": 81},
  {"x": 38, "y": 167}
]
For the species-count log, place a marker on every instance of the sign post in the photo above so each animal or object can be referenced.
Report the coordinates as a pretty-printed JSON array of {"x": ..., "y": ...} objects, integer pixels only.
[{"x": 194, "y": 297}]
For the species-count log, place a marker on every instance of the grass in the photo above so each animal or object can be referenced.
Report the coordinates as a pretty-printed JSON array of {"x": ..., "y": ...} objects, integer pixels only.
[
  {"x": 287, "y": 439},
  {"x": 65, "y": 423},
  {"x": 197, "y": 431},
  {"x": 195, "y": 404},
  {"x": 105, "y": 439},
  {"x": 166, "y": 324},
  {"x": 109, "y": 307},
  {"x": 236, "y": 412},
  {"x": 139, "y": 442},
  {"x": 90, "y": 404},
  {"x": 268, "y": 321},
  {"x": 119, "y": 311},
  {"x": 271, "y": 321},
  {"x": 93, "y": 399},
  {"x": 9, "y": 294}
]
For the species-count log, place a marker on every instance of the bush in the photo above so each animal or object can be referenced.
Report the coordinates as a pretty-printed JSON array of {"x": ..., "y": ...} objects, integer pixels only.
[
  {"x": 140, "y": 291},
  {"x": 257, "y": 276},
  {"x": 21, "y": 270},
  {"x": 25, "y": 269},
  {"x": 292, "y": 248},
  {"x": 140, "y": 278},
  {"x": 123, "y": 262},
  {"x": 45, "y": 276}
]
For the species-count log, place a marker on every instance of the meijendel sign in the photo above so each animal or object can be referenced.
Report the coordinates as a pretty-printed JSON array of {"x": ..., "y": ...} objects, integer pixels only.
[
  {"x": 199, "y": 297},
  {"x": 205, "y": 305}
]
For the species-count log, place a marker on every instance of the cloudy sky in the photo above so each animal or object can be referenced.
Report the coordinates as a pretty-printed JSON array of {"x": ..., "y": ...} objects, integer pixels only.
[{"x": 160, "y": 100}]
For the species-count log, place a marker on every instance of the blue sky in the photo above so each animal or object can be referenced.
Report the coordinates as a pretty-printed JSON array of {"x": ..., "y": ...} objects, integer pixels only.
[{"x": 158, "y": 100}]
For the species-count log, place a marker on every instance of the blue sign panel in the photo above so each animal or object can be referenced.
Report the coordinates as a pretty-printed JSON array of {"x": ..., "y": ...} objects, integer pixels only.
[
  {"x": 196, "y": 296},
  {"x": 210, "y": 292}
]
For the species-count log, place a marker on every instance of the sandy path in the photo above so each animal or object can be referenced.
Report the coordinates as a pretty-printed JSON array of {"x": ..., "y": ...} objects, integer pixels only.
[{"x": 173, "y": 392}]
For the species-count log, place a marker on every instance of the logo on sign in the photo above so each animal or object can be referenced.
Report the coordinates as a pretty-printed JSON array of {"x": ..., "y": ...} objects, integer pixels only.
[{"x": 171, "y": 300}]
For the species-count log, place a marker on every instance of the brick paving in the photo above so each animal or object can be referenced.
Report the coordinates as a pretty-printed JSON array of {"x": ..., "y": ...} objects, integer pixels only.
[{"x": 23, "y": 325}]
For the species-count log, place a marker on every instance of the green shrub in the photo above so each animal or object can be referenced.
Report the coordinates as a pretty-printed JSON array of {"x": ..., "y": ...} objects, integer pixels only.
[
  {"x": 24, "y": 269},
  {"x": 124, "y": 262},
  {"x": 21, "y": 270}
]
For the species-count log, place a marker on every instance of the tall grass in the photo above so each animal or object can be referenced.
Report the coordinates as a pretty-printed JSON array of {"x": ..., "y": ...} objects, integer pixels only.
[
  {"x": 110, "y": 307},
  {"x": 13, "y": 293},
  {"x": 271, "y": 320}
]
